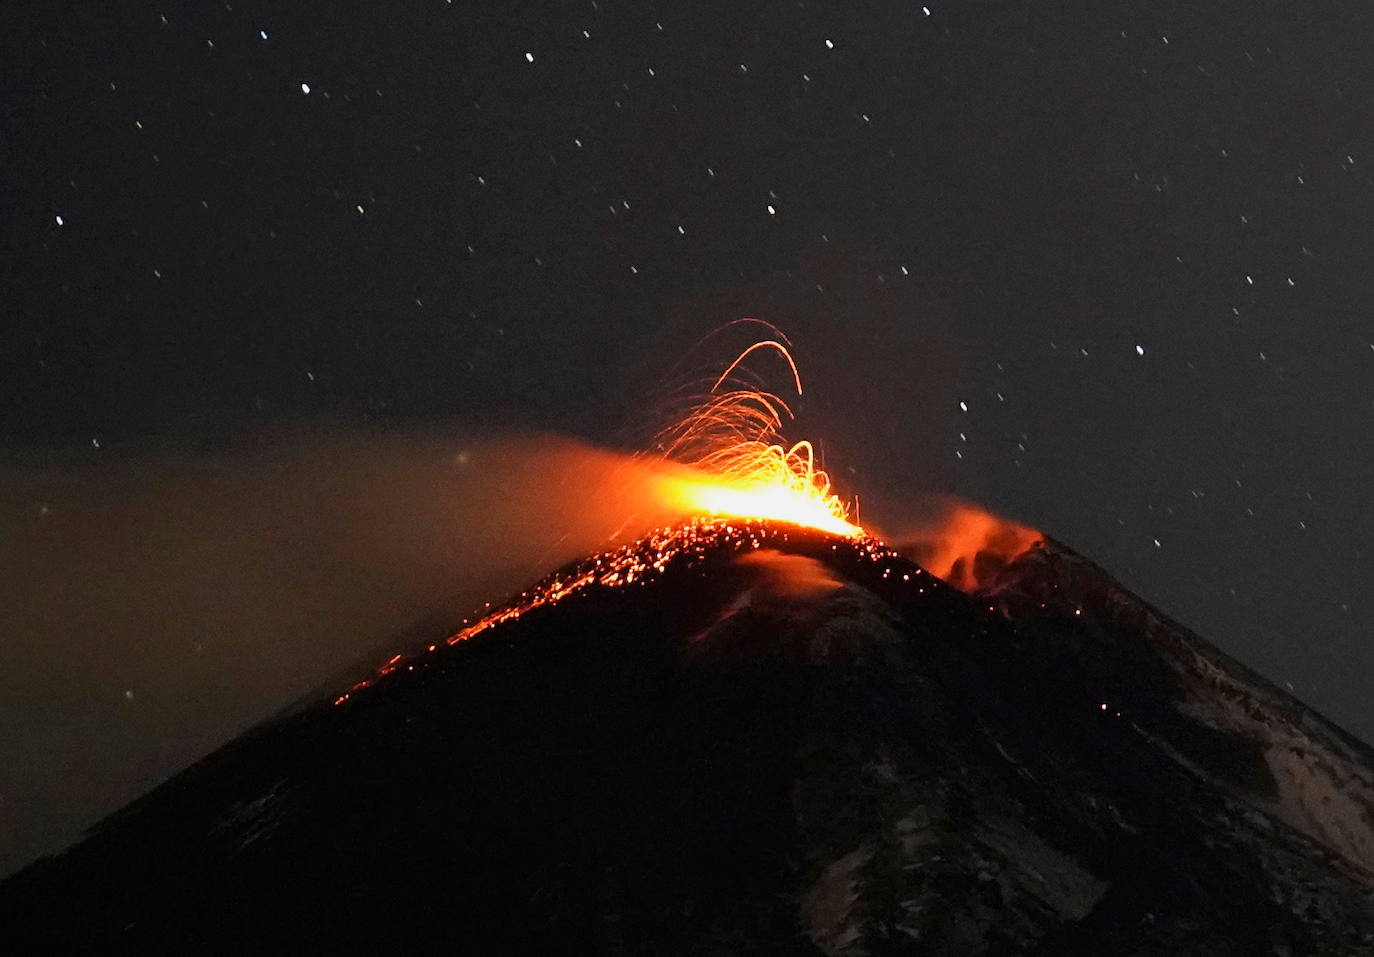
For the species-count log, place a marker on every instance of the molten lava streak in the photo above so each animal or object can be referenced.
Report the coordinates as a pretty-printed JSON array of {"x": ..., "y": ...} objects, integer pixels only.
[{"x": 739, "y": 466}]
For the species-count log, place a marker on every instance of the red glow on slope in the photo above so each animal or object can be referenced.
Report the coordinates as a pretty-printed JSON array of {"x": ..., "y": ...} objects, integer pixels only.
[{"x": 966, "y": 546}]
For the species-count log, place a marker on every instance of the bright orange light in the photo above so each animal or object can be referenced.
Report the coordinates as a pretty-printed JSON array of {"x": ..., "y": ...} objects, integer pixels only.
[{"x": 739, "y": 466}]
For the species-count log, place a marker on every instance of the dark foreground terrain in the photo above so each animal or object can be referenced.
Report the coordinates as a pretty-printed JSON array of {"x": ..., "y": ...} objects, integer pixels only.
[{"x": 776, "y": 743}]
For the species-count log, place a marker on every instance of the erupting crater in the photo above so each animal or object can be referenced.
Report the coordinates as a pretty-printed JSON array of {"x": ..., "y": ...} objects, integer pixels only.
[{"x": 740, "y": 485}]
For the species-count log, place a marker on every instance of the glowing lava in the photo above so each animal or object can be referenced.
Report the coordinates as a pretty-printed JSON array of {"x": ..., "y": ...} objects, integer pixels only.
[{"x": 739, "y": 465}]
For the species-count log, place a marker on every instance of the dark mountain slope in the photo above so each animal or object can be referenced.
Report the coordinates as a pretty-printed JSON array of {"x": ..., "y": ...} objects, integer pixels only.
[{"x": 768, "y": 741}]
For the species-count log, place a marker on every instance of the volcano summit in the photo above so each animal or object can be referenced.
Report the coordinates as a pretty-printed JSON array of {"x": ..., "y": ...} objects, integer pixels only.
[{"x": 745, "y": 737}]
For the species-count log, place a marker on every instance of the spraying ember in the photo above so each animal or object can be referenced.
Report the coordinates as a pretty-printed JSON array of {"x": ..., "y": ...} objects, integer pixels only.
[{"x": 740, "y": 465}]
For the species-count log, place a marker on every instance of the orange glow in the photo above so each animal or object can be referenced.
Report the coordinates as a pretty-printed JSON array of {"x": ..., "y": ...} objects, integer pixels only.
[
  {"x": 968, "y": 545},
  {"x": 739, "y": 464}
]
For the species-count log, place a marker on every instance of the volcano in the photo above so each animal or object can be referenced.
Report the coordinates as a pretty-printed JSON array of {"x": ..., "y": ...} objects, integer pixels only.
[{"x": 745, "y": 737}]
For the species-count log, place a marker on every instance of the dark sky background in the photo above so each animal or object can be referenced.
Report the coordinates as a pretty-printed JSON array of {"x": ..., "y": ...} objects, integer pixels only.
[{"x": 1104, "y": 267}]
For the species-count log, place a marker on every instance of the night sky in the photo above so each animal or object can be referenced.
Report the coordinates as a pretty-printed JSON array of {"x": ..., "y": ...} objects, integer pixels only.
[{"x": 1105, "y": 268}]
